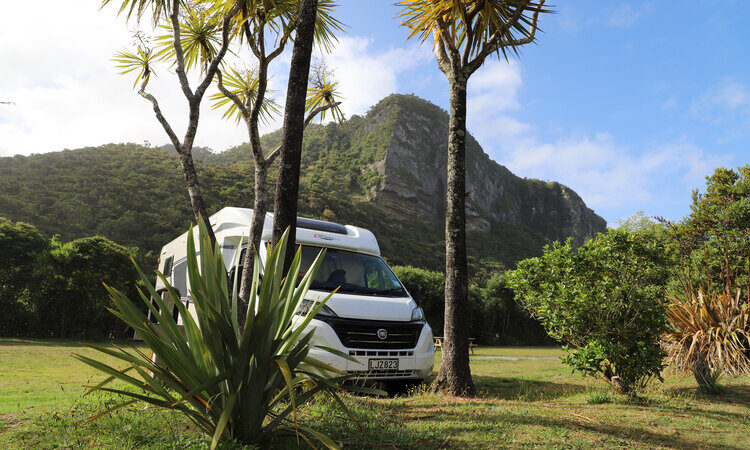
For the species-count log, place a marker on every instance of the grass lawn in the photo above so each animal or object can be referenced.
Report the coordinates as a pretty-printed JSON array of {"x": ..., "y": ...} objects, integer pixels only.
[{"x": 528, "y": 398}]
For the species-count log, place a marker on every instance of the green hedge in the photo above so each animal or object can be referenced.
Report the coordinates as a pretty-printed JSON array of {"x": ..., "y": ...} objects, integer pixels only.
[
  {"x": 494, "y": 315},
  {"x": 49, "y": 288}
]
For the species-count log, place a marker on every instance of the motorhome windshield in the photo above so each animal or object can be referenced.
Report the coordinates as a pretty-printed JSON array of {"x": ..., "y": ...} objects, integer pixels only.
[{"x": 351, "y": 272}]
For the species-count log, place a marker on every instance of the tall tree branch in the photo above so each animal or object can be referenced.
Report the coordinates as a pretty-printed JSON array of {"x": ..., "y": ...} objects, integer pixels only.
[
  {"x": 222, "y": 50},
  {"x": 319, "y": 110},
  {"x": 453, "y": 54},
  {"x": 532, "y": 32},
  {"x": 469, "y": 41},
  {"x": 179, "y": 53},
  {"x": 444, "y": 62},
  {"x": 159, "y": 116}
]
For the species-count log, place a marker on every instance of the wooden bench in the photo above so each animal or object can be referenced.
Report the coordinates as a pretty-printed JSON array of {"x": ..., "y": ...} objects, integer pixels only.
[{"x": 438, "y": 342}]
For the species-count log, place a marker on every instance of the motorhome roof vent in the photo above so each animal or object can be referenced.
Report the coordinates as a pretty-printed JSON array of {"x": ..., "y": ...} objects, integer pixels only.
[{"x": 312, "y": 224}]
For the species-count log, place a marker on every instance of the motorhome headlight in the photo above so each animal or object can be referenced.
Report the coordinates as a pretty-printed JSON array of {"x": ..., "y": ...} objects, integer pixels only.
[
  {"x": 417, "y": 314},
  {"x": 308, "y": 305}
]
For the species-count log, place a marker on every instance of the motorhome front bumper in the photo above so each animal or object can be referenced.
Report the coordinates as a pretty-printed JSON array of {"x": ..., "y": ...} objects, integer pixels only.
[{"x": 383, "y": 350}]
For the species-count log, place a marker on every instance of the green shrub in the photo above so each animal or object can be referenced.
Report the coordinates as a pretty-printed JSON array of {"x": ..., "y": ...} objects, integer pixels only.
[
  {"x": 604, "y": 300},
  {"x": 50, "y": 288},
  {"x": 431, "y": 288},
  {"x": 710, "y": 336},
  {"x": 495, "y": 316},
  {"x": 710, "y": 294},
  {"x": 22, "y": 253},
  {"x": 243, "y": 383},
  {"x": 598, "y": 398}
]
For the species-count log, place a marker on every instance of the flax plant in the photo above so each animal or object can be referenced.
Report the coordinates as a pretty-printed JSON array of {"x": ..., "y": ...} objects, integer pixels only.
[
  {"x": 710, "y": 336},
  {"x": 244, "y": 382}
]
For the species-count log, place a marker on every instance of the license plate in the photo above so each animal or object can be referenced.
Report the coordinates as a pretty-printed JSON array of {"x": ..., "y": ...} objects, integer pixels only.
[{"x": 383, "y": 364}]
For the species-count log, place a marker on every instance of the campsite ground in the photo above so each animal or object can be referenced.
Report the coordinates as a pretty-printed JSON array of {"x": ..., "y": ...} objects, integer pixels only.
[{"x": 530, "y": 401}]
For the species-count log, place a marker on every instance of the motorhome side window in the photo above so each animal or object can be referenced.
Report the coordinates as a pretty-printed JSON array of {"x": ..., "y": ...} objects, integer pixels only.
[
  {"x": 179, "y": 280},
  {"x": 351, "y": 272},
  {"x": 167, "y": 271}
]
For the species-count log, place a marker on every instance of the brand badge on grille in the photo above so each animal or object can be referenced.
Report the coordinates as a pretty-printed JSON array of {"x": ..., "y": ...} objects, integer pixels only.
[{"x": 382, "y": 334}]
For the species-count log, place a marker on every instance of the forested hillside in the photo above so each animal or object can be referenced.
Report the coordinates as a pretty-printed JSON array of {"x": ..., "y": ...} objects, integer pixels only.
[{"x": 136, "y": 196}]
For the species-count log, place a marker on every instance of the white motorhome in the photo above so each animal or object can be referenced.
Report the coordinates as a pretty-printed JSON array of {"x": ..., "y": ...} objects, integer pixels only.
[{"x": 371, "y": 317}]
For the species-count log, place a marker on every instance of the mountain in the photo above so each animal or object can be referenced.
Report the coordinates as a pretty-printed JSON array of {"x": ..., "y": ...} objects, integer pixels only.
[
  {"x": 413, "y": 180},
  {"x": 384, "y": 171}
]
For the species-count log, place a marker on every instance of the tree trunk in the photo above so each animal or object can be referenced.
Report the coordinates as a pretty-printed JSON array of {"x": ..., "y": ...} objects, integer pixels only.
[
  {"x": 62, "y": 324},
  {"x": 702, "y": 372},
  {"x": 454, "y": 377},
  {"x": 194, "y": 191},
  {"x": 260, "y": 208},
  {"x": 287, "y": 186}
]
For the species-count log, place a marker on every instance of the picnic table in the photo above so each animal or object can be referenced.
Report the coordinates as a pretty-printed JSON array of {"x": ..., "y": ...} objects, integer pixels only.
[{"x": 438, "y": 342}]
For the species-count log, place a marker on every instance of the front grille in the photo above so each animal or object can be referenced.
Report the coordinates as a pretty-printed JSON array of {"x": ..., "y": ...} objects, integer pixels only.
[
  {"x": 361, "y": 374},
  {"x": 380, "y": 353},
  {"x": 364, "y": 333}
]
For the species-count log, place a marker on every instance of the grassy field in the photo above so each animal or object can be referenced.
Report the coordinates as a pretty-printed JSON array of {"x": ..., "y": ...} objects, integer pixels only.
[{"x": 528, "y": 398}]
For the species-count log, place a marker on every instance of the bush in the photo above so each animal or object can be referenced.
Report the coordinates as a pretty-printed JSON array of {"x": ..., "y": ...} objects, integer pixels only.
[
  {"x": 604, "y": 300},
  {"x": 709, "y": 312},
  {"x": 22, "y": 253},
  {"x": 244, "y": 381},
  {"x": 495, "y": 316},
  {"x": 53, "y": 289},
  {"x": 710, "y": 335},
  {"x": 75, "y": 301}
]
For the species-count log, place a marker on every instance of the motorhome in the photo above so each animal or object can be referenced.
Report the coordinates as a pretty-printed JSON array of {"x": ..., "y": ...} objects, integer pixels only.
[{"x": 371, "y": 317}]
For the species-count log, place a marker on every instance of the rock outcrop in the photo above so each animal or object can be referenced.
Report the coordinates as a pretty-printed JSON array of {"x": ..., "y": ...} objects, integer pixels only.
[{"x": 413, "y": 178}]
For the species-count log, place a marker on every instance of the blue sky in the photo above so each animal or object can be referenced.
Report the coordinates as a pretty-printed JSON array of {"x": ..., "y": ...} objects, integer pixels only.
[
  {"x": 630, "y": 103},
  {"x": 650, "y": 95}
]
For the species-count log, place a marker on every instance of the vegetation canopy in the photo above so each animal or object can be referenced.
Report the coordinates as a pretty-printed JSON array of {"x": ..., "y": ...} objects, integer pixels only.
[
  {"x": 710, "y": 292},
  {"x": 605, "y": 301},
  {"x": 476, "y": 28}
]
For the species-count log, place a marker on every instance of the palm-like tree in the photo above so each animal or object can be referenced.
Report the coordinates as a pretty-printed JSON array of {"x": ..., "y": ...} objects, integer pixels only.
[
  {"x": 287, "y": 187},
  {"x": 266, "y": 26},
  {"x": 198, "y": 36},
  {"x": 465, "y": 33}
]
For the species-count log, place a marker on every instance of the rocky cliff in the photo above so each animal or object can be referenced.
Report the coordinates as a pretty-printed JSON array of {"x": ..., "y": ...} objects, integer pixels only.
[{"x": 413, "y": 178}]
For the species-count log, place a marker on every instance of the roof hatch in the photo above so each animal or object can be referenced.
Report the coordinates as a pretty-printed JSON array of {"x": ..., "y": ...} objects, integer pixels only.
[{"x": 319, "y": 225}]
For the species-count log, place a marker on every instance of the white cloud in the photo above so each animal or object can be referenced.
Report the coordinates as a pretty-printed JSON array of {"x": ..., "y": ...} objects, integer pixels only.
[
  {"x": 730, "y": 96},
  {"x": 493, "y": 93},
  {"x": 626, "y": 14},
  {"x": 68, "y": 94},
  {"x": 611, "y": 177},
  {"x": 573, "y": 17},
  {"x": 725, "y": 107},
  {"x": 365, "y": 76}
]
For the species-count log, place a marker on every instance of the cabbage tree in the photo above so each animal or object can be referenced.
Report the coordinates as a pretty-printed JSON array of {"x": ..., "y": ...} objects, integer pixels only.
[
  {"x": 265, "y": 28},
  {"x": 464, "y": 34},
  {"x": 198, "y": 36}
]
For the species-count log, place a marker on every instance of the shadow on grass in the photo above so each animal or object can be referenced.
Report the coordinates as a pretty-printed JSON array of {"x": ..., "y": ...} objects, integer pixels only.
[
  {"x": 731, "y": 395},
  {"x": 39, "y": 343},
  {"x": 514, "y": 388},
  {"x": 632, "y": 435},
  {"x": 19, "y": 342},
  {"x": 476, "y": 423}
]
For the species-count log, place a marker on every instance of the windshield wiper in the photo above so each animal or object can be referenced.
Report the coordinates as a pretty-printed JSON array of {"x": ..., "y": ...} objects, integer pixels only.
[
  {"x": 358, "y": 291},
  {"x": 398, "y": 290}
]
